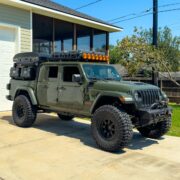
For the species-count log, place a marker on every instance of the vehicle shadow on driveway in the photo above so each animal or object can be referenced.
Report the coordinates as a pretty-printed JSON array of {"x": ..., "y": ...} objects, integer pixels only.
[{"x": 79, "y": 130}]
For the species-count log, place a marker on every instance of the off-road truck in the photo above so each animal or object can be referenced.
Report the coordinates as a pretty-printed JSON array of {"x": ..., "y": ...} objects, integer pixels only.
[{"x": 83, "y": 84}]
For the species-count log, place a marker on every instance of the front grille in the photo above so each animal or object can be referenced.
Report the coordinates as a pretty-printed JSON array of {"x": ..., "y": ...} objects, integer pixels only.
[{"x": 149, "y": 96}]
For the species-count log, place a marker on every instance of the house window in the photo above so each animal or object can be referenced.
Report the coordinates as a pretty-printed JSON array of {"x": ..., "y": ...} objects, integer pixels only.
[
  {"x": 83, "y": 38},
  {"x": 52, "y": 36},
  {"x": 63, "y": 36},
  {"x": 42, "y": 34},
  {"x": 68, "y": 73},
  {"x": 99, "y": 41}
]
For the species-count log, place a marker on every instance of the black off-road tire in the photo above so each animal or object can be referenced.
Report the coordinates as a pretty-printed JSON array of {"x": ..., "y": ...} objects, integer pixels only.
[
  {"x": 24, "y": 113},
  {"x": 155, "y": 131},
  {"x": 118, "y": 123},
  {"x": 65, "y": 117}
]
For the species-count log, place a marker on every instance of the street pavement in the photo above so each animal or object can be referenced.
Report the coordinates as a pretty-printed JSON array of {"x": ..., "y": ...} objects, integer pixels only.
[{"x": 55, "y": 150}]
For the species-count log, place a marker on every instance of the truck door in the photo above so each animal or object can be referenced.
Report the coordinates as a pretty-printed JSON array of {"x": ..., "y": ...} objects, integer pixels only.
[
  {"x": 70, "y": 93},
  {"x": 47, "y": 88}
]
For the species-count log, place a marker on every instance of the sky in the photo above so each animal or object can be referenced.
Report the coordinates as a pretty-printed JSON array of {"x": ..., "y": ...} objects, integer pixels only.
[{"x": 110, "y": 9}]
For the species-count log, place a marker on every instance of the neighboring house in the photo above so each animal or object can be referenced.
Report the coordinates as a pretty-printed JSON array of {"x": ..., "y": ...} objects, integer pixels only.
[{"x": 45, "y": 27}]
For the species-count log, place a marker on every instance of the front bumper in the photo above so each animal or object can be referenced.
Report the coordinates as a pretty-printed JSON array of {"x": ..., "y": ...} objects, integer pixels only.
[{"x": 153, "y": 116}]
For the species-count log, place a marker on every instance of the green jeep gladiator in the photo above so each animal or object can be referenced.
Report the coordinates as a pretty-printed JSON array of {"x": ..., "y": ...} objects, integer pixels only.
[{"x": 84, "y": 85}]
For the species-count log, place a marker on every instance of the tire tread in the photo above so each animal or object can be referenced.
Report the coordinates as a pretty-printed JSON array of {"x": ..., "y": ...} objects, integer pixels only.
[
  {"x": 122, "y": 118},
  {"x": 30, "y": 112},
  {"x": 161, "y": 129}
]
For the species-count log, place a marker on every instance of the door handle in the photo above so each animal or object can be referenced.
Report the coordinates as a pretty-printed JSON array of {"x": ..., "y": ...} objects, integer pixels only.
[{"x": 62, "y": 88}]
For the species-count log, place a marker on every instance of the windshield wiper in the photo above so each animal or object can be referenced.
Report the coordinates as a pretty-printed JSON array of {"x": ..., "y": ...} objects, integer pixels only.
[{"x": 103, "y": 79}]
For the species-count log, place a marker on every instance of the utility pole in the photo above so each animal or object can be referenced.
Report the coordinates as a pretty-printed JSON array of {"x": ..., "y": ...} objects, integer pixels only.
[
  {"x": 155, "y": 38},
  {"x": 155, "y": 23}
]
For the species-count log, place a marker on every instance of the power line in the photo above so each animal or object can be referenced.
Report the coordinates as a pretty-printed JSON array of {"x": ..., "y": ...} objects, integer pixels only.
[
  {"x": 168, "y": 10},
  {"x": 132, "y": 14},
  {"x": 168, "y": 5},
  {"x": 89, "y": 4},
  {"x": 132, "y": 18},
  {"x": 143, "y": 13}
]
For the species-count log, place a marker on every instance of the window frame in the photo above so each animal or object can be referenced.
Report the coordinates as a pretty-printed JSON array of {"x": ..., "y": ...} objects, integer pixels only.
[{"x": 64, "y": 66}]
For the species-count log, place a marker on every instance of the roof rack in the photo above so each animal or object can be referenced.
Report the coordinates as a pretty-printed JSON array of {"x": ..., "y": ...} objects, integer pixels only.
[{"x": 31, "y": 58}]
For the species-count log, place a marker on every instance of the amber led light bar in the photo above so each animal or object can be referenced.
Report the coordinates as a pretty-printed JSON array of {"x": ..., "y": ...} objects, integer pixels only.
[{"x": 95, "y": 57}]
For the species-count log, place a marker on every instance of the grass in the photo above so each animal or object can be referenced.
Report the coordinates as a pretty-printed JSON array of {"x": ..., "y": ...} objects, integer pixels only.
[{"x": 175, "y": 130}]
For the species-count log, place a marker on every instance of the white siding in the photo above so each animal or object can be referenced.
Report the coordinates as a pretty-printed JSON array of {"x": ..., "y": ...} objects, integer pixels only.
[{"x": 14, "y": 16}]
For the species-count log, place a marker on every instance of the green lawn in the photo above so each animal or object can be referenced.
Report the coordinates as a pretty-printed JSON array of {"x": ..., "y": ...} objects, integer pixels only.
[{"x": 175, "y": 130}]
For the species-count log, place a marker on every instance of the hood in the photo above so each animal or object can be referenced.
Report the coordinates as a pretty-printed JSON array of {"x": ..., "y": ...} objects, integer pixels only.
[{"x": 122, "y": 86}]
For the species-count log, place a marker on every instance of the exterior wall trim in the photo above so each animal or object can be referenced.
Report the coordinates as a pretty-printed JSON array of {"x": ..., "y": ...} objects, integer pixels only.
[
  {"x": 31, "y": 29},
  {"x": 18, "y": 34},
  {"x": 31, "y": 6}
]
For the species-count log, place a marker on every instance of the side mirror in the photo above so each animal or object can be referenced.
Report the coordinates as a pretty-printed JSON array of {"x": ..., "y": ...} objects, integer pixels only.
[{"x": 76, "y": 78}]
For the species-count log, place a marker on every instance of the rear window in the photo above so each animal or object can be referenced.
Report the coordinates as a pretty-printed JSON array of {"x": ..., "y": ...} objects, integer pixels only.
[{"x": 53, "y": 72}]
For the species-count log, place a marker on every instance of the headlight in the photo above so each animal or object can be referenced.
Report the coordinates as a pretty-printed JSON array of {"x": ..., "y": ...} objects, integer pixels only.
[
  {"x": 164, "y": 95},
  {"x": 137, "y": 97},
  {"x": 126, "y": 99}
]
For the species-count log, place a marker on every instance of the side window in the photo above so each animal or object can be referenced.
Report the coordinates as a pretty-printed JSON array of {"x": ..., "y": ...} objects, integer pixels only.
[
  {"x": 53, "y": 72},
  {"x": 68, "y": 73}
]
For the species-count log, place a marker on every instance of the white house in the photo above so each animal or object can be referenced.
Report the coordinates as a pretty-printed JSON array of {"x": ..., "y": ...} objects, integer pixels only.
[{"x": 46, "y": 27}]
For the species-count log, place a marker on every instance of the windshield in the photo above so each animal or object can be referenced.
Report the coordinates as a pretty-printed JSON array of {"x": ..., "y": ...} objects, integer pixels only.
[{"x": 101, "y": 72}]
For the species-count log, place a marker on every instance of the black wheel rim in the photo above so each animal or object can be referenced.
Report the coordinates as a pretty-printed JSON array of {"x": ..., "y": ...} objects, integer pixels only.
[
  {"x": 20, "y": 111},
  {"x": 107, "y": 129}
]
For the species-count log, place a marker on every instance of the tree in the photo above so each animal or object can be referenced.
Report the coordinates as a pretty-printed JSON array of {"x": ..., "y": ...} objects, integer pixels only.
[
  {"x": 167, "y": 43},
  {"x": 137, "y": 53}
]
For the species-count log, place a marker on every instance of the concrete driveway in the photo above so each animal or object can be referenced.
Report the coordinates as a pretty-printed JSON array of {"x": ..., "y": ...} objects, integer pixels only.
[{"x": 53, "y": 149}]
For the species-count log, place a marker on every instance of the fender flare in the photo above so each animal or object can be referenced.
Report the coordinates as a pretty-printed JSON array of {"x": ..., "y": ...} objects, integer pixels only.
[
  {"x": 100, "y": 95},
  {"x": 30, "y": 93},
  {"x": 109, "y": 94}
]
